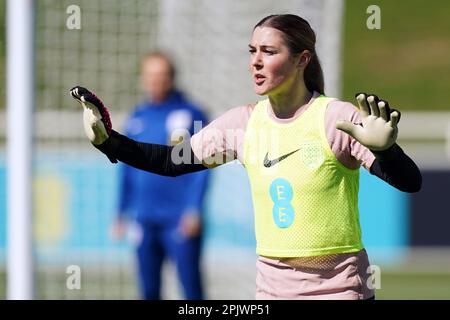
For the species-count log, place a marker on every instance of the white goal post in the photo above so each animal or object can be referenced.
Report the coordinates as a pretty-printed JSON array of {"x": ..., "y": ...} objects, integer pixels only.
[{"x": 20, "y": 95}]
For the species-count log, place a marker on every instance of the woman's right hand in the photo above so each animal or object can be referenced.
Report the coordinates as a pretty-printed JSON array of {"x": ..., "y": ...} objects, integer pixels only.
[{"x": 96, "y": 119}]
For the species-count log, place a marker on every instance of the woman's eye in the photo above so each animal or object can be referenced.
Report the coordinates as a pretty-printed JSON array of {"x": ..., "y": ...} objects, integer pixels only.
[{"x": 252, "y": 51}]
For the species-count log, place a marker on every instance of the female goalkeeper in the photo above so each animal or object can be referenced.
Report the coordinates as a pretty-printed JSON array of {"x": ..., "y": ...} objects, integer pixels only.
[{"x": 302, "y": 151}]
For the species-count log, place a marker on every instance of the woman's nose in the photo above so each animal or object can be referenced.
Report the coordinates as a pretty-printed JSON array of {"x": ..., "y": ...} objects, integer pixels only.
[{"x": 256, "y": 60}]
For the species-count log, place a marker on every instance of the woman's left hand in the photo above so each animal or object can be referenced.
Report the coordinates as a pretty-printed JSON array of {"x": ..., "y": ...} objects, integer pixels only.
[{"x": 378, "y": 130}]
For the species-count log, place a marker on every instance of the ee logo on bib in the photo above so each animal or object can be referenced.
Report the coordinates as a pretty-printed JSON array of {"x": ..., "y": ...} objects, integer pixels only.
[{"x": 281, "y": 194}]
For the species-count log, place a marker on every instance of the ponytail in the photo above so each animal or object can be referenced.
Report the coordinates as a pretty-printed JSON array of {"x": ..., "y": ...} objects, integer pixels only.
[{"x": 314, "y": 75}]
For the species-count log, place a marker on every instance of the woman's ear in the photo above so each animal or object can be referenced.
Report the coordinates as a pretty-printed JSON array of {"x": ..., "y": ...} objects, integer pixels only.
[{"x": 305, "y": 58}]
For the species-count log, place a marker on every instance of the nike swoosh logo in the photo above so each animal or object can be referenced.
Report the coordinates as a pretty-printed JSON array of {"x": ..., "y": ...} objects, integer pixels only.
[{"x": 269, "y": 163}]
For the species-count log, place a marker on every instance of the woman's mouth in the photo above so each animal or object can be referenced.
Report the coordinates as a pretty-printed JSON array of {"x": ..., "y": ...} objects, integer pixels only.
[{"x": 259, "y": 79}]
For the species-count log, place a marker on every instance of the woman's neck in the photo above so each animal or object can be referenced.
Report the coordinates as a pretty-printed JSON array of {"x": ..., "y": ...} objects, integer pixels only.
[{"x": 285, "y": 105}]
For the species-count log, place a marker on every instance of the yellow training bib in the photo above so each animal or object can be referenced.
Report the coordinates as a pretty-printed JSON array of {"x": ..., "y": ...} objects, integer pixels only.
[{"x": 305, "y": 200}]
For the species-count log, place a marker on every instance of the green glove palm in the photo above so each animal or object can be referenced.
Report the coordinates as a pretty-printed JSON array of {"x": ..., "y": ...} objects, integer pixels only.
[{"x": 378, "y": 130}]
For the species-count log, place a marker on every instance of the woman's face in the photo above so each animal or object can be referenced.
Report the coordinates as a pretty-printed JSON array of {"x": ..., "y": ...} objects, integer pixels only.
[{"x": 272, "y": 66}]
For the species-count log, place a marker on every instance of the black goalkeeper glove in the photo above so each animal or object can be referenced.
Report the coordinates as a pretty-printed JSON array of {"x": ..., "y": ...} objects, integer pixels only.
[{"x": 96, "y": 119}]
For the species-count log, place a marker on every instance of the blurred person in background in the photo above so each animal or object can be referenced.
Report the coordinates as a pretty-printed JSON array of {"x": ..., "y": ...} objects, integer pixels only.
[
  {"x": 302, "y": 151},
  {"x": 167, "y": 211}
]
